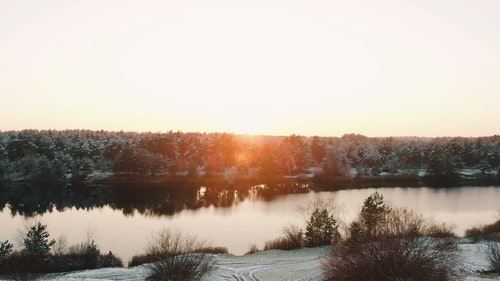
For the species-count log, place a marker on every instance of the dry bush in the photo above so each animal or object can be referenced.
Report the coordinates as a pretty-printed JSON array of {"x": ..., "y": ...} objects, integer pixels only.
[
  {"x": 211, "y": 250},
  {"x": 474, "y": 232},
  {"x": 292, "y": 239},
  {"x": 173, "y": 242},
  {"x": 403, "y": 222},
  {"x": 398, "y": 250},
  {"x": 142, "y": 259},
  {"x": 493, "y": 227},
  {"x": 282, "y": 243},
  {"x": 81, "y": 256},
  {"x": 397, "y": 223},
  {"x": 181, "y": 267},
  {"x": 175, "y": 257},
  {"x": 489, "y": 231},
  {"x": 439, "y": 230},
  {"x": 411, "y": 258},
  {"x": 252, "y": 249},
  {"x": 22, "y": 263}
]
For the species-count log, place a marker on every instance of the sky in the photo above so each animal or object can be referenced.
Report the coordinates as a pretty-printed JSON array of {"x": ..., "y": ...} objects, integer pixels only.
[{"x": 315, "y": 67}]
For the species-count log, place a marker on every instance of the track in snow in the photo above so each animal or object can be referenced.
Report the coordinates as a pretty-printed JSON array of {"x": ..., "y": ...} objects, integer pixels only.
[{"x": 297, "y": 265}]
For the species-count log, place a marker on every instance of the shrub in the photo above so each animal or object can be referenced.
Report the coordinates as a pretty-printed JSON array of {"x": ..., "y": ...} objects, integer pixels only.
[
  {"x": 282, "y": 243},
  {"x": 410, "y": 258},
  {"x": 439, "y": 230},
  {"x": 142, "y": 259},
  {"x": 292, "y": 239},
  {"x": 110, "y": 260},
  {"x": 252, "y": 248},
  {"x": 23, "y": 263},
  {"x": 37, "y": 242},
  {"x": 493, "y": 228},
  {"x": 391, "y": 245},
  {"x": 83, "y": 256},
  {"x": 402, "y": 222},
  {"x": 475, "y": 233},
  {"x": 5, "y": 249},
  {"x": 87, "y": 254},
  {"x": 211, "y": 250},
  {"x": 181, "y": 267},
  {"x": 175, "y": 258},
  {"x": 488, "y": 231},
  {"x": 36, "y": 256}
]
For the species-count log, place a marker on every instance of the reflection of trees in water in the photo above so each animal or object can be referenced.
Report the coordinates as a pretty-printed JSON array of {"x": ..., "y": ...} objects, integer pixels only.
[
  {"x": 30, "y": 199},
  {"x": 154, "y": 200}
]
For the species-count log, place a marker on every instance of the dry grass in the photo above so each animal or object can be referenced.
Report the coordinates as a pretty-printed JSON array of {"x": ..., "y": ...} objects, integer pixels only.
[
  {"x": 292, "y": 239},
  {"x": 282, "y": 243},
  {"x": 252, "y": 249},
  {"x": 489, "y": 231}
]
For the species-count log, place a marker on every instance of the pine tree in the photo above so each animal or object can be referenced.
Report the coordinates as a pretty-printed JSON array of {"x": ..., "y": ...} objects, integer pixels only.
[
  {"x": 321, "y": 228},
  {"x": 373, "y": 213},
  {"x": 37, "y": 241},
  {"x": 5, "y": 249}
]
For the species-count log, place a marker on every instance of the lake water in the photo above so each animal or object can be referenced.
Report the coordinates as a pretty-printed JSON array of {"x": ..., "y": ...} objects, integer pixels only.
[{"x": 126, "y": 228}]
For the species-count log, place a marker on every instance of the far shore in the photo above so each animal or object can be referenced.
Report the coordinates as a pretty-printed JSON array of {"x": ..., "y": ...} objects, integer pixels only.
[{"x": 315, "y": 182}]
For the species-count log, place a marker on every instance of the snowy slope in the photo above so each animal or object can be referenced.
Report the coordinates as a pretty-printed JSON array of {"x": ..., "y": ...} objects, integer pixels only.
[
  {"x": 303, "y": 264},
  {"x": 472, "y": 260}
]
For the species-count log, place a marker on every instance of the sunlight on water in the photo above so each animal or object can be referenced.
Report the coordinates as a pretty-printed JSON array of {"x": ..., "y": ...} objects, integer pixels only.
[{"x": 253, "y": 221}]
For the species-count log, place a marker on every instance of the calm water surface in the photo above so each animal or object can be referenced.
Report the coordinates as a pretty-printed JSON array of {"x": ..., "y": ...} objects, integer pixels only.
[{"x": 249, "y": 220}]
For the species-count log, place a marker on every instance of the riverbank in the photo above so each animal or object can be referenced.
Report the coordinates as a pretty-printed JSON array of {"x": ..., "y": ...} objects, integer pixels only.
[
  {"x": 466, "y": 177},
  {"x": 302, "y": 264}
]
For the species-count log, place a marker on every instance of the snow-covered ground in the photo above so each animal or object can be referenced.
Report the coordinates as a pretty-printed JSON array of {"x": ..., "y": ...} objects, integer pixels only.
[{"x": 303, "y": 264}]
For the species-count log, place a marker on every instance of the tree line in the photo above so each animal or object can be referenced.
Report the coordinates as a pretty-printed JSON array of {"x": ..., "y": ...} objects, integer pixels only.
[{"x": 53, "y": 155}]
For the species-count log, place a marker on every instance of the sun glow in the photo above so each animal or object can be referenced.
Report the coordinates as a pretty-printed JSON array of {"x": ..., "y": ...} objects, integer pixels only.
[
  {"x": 310, "y": 68},
  {"x": 243, "y": 159},
  {"x": 250, "y": 127},
  {"x": 249, "y": 123}
]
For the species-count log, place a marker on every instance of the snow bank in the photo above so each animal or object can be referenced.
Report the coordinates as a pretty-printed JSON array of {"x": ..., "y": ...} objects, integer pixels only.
[
  {"x": 103, "y": 274},
  {"x": 472, "y": 259}
]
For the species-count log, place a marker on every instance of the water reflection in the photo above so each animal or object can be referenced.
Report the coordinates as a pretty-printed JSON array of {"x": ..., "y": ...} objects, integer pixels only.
[
  {"x": 29, "y": 199},
  {"x": 125, "y": 216}
]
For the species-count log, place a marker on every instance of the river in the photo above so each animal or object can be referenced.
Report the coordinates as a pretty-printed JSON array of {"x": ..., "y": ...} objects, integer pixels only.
[{"x": 125, "y": 227}]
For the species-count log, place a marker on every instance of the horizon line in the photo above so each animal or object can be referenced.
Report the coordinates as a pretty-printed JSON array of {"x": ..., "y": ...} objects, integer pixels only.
[{"x": 241, "y": 133}]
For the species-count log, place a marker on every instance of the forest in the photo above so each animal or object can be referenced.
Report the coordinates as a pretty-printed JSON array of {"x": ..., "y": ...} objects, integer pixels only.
[{"x": 85, "y": 155}]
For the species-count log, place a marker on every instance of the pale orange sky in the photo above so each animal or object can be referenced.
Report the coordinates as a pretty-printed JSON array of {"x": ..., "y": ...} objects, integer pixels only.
[{"x": 378, "y": 68}]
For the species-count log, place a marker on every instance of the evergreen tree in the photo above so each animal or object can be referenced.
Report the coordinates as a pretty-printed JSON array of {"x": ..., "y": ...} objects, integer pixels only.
[
  {"x": 318, "y": 150},
  {"x": 373, "y": 213},
  {"x": 5, "y": 249},
  {"x": 37, "y": 241},
  {"x": 321, "y": 228}
]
